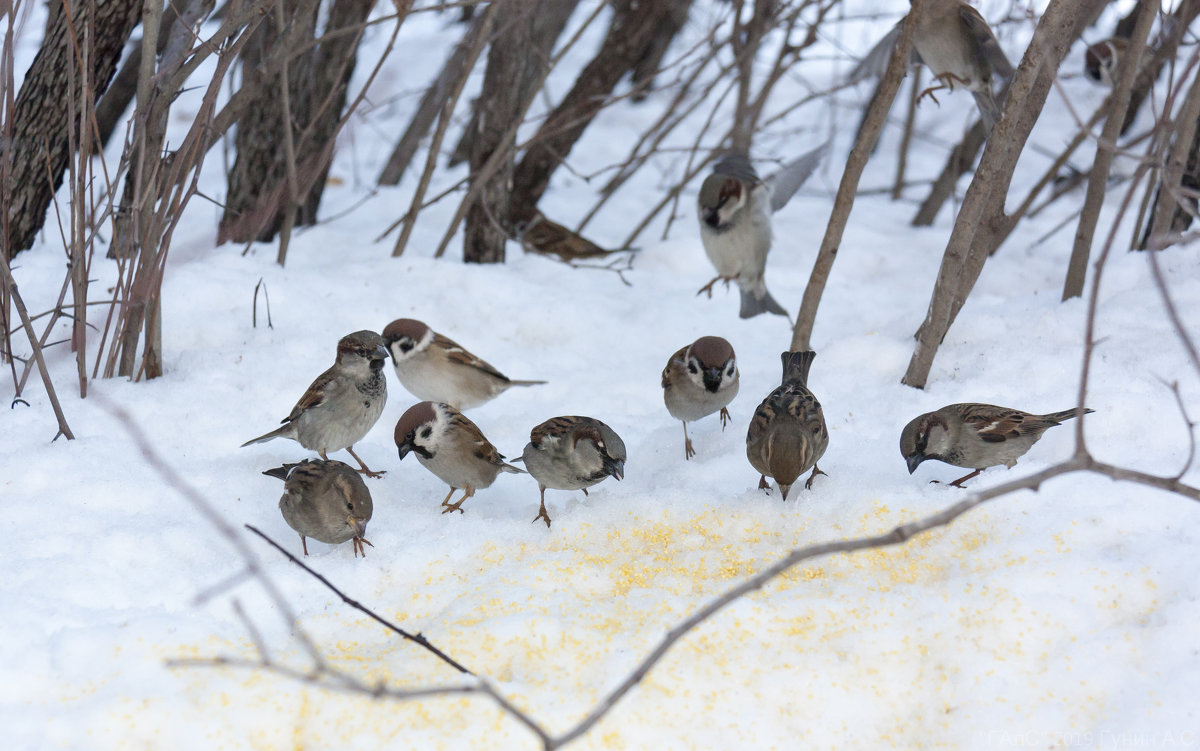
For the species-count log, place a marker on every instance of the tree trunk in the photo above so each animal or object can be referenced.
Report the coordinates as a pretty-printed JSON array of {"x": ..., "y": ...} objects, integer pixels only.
[
  {"x": 258, "y": 182},
  {"x": 336, "y": 59},
  {"x": 1089, "y": 216},
  {"x": 984, "y": 201},
  {"x": 630, "y": 33},
  {"x": 651, "y": 58},
  {"x": 517, "y": 62},
  {"x": 431, "y": 104},
  {"x": 41, "y": 124},
  {"x": 843, "y": 202}
]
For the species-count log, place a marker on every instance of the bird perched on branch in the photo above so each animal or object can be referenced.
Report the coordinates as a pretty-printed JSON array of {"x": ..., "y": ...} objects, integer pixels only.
[
  {"x": 787, "y": 435},
  {"x": 343, "y": 404},
  {"x": 976, "y": 436},
  {"x": 436, "y": 369},
  {"x": 452, "y": 448},
  {"x": 735, "y": 208},
  {"x": 572, "y": 453},
  {"x": 700, "y": 379},
  {"x": 955, "y": 42},
  {"x": 325, "y": 500}
]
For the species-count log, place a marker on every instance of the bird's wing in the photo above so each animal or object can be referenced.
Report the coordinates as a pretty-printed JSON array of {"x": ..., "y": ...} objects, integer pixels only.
[
  {"x": 457, "y": 354},
  {"x": 677, "y": 357},
  {"x": 874, "y": 63},
  {"x": 792, "y": 175},
  {"x": 314, "y": 396},
  {"x": 988, "y": 46},
  {"x": 995, "y": 424}
]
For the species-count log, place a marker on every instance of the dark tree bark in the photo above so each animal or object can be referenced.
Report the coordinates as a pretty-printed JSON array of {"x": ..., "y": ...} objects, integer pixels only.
[
  {"x": 517, "y": 62},
  {"x": 633, "y": 27},
  {"x": 40, "y": 145},
  {"x": 257, "y": 183},
  {"x": 259, "y": 195},
  {"x": 121, "y": 91},
  {"x": 431, "y": 104},
  {"x": 335, "y": 62},
  {"x": 650, "y": 60},
  {"x": 983, "y": 207}
]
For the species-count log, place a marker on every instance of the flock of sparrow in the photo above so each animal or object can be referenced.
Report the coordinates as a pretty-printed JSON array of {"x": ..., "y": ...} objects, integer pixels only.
[{"x": 328, "y": 500}]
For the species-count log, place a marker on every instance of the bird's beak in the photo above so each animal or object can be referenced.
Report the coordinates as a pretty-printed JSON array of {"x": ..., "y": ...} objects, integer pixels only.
[
  {"x": 616, "y": 467},
  {"x": 783, "y": 489},
  {"x": 359, "y": 526},
  {"x": 914, "y": 461},
  {"x": 711, "y": 218},
  {"x": 712, "y": 378},
  {"x": 404, "y": 448}
]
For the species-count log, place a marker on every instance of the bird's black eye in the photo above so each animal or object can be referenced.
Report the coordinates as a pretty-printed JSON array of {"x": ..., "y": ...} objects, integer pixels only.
[
  {"x": 349, "y": 506},
  {"x": 730, "y": 371},
  {"x": 406, "y": 345},
  {"x": 692, "y": 368},
  {"x": 426, "y": 432}
]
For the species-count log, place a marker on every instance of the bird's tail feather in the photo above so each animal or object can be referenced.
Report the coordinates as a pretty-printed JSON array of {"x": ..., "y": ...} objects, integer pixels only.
[
  {"x": 283, "y": 431},
  {"x": 988, "y": 109},
  {"x": 514, "y": 470},
  {"x": 753, "y": 304},
  {"x": 525, "y": 383},
  {"x": 796, "y": 365},
  {"x": 280, "y": 472},
  {"x": 1066, "y": 414}
]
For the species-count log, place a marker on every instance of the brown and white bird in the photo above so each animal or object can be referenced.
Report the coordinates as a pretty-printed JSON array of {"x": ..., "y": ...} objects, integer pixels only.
[
  {"x": 325, "y": 500},
  {"x": 1100, "y": 60},
  {"x": 452, "y": 448},
  {"x": 976, "y": 436},
  {"x": 958, "y": 46},
  {"x": 735, "y": 208},
  {"x": 436, "y": 369},
  {"x": 572, "y": 453},
  {"x": 956, "y": 43},
  {"x": 343, "y": 404},
  {"x": 700, "y": 379},
  {"x": 787, "y": 435}
]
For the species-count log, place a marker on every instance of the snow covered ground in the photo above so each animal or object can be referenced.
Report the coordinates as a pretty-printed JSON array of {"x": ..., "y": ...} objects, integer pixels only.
[{"x": 1060, "y": 619}]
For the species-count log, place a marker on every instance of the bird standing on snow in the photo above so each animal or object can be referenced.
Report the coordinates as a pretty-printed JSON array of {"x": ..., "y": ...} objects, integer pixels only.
[
  {"x": 976, "y": 436},
  {"x": 735, "y": 208},
  {"x": 343, "y": 404},
  {"x": 437, "y": 369},
  {"x": 325, "y": 500},
  {"x": 787, "y": 435},
  {"x": 700, "y": 379},
  {"x": 572, "y": 453},
  {"x": 452, "y": 448}
]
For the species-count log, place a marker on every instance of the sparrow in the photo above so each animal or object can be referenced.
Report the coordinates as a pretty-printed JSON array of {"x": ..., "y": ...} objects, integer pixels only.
[
  {"x": 700, "y": 379},
  {"x": 572, "y": 453},
  {"x": 1100, "y": 60},
  {"x": 437, "y": 369},
  {"x": 955, "y": 42},
  {"x": 343, "y": 404},
  {"x": 957, "y": 45},
  {"x": 976, "y": 436},
  {"x": 787, "y": 435},
  {"x": 452, "y": 447},
  {"x": 541, "y": 235},
  {"x": 325, "y": 500},
  {"x": 735, "y": 208}
]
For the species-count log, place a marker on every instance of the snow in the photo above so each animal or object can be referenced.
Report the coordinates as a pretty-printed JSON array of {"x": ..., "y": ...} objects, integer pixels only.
[{"x": 1062, "y": 618}]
